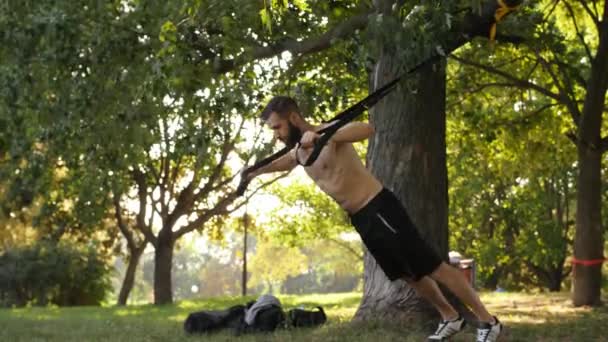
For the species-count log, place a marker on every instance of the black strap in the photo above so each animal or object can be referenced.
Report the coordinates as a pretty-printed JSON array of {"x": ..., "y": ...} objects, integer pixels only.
[
  {"x": 357, "y": 109},
  {"x": 338, "y": 122},
  {"x": 240, "y": 190}
]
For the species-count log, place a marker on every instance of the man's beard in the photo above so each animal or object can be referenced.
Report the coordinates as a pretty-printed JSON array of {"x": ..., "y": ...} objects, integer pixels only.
[{"x": 294, "y": 135}]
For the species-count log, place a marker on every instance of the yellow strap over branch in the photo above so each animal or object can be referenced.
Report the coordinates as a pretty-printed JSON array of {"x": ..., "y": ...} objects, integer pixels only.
[{"x": 502, "y": 10}]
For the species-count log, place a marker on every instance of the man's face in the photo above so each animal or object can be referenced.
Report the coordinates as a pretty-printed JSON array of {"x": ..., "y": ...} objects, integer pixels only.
[{"x": 283, "y": 129}]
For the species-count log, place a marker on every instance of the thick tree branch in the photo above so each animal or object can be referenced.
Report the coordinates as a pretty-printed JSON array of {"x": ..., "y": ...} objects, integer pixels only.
[
  {"x": 524, "y": 118},
  {"x": 549, "y": 13},
  {"x": 575, "y": 112},
  {"x": 571, "y": 135},
  {"x": 595, "y": 98},
  {"x": 478, "y": 89},
  {"x": 305, "y": 46},
  {"x": 514, "y": 80},
  {"x": 227, "y": 147},
  {"x": 142, "y": 192},
  {"x": 221, "y": 208},
  {"x": 572, "y": 72},
  {"x": 592, "y": 13},
  {"x": 188, "y": 196},
  {"x": 579, "y": 34},
  {"x": 121, "y": 222}
]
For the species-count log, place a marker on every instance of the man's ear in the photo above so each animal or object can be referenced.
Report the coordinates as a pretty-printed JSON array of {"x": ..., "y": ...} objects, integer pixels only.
[{"x": 293, "y": 118}]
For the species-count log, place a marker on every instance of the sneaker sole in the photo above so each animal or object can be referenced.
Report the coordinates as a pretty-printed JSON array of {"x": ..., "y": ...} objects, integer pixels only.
[{"x": 447, "y": 339}]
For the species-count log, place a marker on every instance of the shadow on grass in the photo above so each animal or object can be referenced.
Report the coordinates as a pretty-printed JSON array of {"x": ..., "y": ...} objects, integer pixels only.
[{"x": 546, "y": 317}]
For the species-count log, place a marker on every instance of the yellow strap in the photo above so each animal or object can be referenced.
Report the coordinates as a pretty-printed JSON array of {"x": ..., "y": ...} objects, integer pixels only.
[{"x": 502, "y": 10}]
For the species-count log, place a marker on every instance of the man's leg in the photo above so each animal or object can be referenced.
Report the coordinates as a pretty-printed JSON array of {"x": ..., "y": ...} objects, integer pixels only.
[
  {"x": 490, "y": 328},
  {"x": 455, "y": 281},
  {"x": 427, "y": 288},
  {"x": 451, "y": 322}
]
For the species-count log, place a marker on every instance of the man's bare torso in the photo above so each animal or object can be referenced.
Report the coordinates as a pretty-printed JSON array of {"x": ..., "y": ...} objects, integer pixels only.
[{"x": 339, "y": 172}]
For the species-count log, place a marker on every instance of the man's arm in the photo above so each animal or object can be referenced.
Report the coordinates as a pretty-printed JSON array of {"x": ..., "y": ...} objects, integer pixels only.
[
  {"x": 353, "y": 132},
  {"x": 349, "y": 133},
  {"x": 284, "y": 163}
]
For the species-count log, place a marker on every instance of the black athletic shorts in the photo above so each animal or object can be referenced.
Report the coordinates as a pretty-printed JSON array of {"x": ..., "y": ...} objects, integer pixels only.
[{"x": 393, "y": 240}]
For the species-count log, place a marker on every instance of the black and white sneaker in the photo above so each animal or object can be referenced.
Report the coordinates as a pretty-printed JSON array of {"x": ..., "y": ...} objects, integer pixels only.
[
  {"x": 447, "y": 329},
  {"x": 488, "y": 332}
]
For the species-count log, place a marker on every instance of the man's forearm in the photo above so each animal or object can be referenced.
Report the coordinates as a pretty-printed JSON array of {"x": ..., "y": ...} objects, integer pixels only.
[
  {"x": 282, "y": 164},
  {"x": 353, "y": 132}
]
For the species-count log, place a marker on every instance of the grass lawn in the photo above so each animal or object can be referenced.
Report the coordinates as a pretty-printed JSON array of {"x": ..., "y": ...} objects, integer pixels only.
[{"x": 543, "y": 317}]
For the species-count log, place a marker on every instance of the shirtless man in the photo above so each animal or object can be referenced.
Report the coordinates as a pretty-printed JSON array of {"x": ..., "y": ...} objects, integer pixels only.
[{"x": 378, "y": 216}]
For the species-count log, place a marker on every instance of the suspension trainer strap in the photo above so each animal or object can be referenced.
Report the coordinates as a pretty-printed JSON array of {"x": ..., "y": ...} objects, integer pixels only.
[
  {"x": 357, "y": 109},
  {"x": 240, "y": 190},
  {"x": 342, "y": 119}
]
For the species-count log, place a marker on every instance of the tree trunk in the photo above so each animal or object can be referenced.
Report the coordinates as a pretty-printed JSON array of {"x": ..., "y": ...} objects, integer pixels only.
[
  {"x": 163, "y": 260},
  {"x": 588, "y": 239},
  {"x": 556, "y": 276},
  {"x": 408, "y": 155},
  {"x": 129, "y": 279}
]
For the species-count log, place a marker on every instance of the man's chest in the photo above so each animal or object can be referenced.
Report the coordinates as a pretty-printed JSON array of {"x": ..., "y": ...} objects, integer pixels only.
[{"x": 325, "y": 163}]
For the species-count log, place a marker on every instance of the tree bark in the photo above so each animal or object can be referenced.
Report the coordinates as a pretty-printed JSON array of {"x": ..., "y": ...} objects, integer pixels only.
[
  {"x": 408, "y": 155},
  {"x": 129, "y": 279},
  {"x": 589, "y": 237},
  {"x": 588, "y": 240},
  {"x": 163, "y": 260}
]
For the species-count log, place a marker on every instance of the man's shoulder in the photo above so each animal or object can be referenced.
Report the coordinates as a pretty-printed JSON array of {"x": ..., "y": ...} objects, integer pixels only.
[{"x": 324, "y": 125}]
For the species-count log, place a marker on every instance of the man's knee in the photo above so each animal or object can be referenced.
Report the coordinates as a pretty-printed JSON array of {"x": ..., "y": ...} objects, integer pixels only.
[{"x": 445, "y": 272}]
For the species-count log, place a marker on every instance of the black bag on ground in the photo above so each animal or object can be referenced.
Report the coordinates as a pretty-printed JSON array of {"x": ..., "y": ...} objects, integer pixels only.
[
  {"x": 265, "y": 315},
  {"x": 214, "y": 320},
  {"x": 299, "y": 318},
  {"x": 267, "y": 320}
]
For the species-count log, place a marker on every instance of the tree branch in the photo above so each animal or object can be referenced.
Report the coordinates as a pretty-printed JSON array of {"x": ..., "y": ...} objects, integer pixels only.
[
  {"x": 227, "y": 147},
  {"x": 166, "y": 166},
  {"x": 175, "y": 171},
  {"x": 220, "y": 209},
  {"x": 142, "y": 191},
  {"x": 152, "y": 169},
  {"x": 549, "y": 13},
  {"x": 347, "y": 247},
  {"x": 593, "y": 14},
  {"x": 188, "y": 196},
  {"x": 306, "y": 46},
  {"x": 578, "y": 31},
  {"x": 516, "y": 81},
  {"x": 575, "y": 113},
  {"x": 121, "y": 223},
  {"x": 571, "y": 135}
]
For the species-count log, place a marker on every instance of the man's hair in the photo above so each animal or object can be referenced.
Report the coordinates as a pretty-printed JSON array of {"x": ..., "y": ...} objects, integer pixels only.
[{"x": 282, "y": 105}]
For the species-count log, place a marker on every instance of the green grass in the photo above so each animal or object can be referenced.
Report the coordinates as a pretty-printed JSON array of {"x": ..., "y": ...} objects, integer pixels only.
[{"x": 542, "y": 317}]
